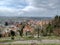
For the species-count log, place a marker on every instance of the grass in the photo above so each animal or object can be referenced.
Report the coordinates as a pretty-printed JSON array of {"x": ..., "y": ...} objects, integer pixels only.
[
  {"x": 42, "y": 37},
  {"x": 51, "y": 37},
  {"x": 29, "y": 44},
  {"x": 8, "y": 39}
]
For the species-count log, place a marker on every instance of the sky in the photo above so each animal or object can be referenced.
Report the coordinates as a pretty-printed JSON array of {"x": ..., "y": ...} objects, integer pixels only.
[{"x": 30, "y": 8}]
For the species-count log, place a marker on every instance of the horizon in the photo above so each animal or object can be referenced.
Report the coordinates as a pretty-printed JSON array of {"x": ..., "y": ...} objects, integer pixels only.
[{"x": 26, "y": 16}]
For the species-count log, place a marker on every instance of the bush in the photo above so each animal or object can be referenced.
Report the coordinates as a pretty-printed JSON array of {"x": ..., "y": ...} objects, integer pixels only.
[{"x": 30, "y": 36}]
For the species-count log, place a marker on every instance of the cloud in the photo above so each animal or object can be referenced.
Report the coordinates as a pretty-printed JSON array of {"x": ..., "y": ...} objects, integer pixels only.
[
  {"x": 32, "y": 11},
  {"x": 11, "y": 7},
  {"x": 5, "y": 11},
  {"x": 29, "y": 8},
  {"x": 41, "y": 8},
  {"x": 13, "y": 3}
]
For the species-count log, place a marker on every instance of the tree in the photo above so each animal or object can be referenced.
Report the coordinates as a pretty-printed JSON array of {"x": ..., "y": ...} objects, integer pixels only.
[
  {"x": 21, "y": 32},
  {"x": 12, "y": 34},
  {"x": 56, "y": 25},
  {"x": 21, "y": 29},
  {"x": 49, "y": 29},
  {"x": 0, "y": 34},
  {"x": 37, "y": 29},
  {"x": 56, "y": 21},
  {"x": 6, "y": 23}
]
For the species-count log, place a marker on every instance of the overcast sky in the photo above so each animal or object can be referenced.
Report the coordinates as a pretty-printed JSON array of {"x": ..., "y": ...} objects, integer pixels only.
[{"x": 28, "y": 8}]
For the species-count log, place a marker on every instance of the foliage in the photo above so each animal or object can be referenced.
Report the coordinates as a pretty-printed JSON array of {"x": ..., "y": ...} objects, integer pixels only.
[
  {"x": 22, "y": 27},
  {"x": 37, "y": 29},
  {"x": 56, "y": 24},
  {"x": 6, "y": 23},
  {"x": 49, "y": 29},
  {"x": 56, "y": 21},
  {"x": 12, "y": 34}
]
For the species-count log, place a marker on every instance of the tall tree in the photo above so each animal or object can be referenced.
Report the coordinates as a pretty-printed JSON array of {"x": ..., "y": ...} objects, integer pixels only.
[
  {"x": 56, "y": 21},
  {"x": 56, "y": 24}
]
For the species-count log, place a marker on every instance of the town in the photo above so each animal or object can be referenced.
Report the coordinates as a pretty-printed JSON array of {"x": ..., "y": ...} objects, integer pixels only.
[
  {"x": 29, "y": 26},
  {"x": 29, "y": 29},
  {"x": 29, "y": 22}
]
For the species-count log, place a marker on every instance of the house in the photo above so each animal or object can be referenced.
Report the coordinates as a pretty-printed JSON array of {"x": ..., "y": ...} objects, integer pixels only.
[
  {"x": 6, "y": 30},
  {"x": 28, "y": 29}
]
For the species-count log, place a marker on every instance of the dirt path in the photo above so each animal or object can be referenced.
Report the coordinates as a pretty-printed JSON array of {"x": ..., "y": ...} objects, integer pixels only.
[{"x": 33, "y": 41}]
